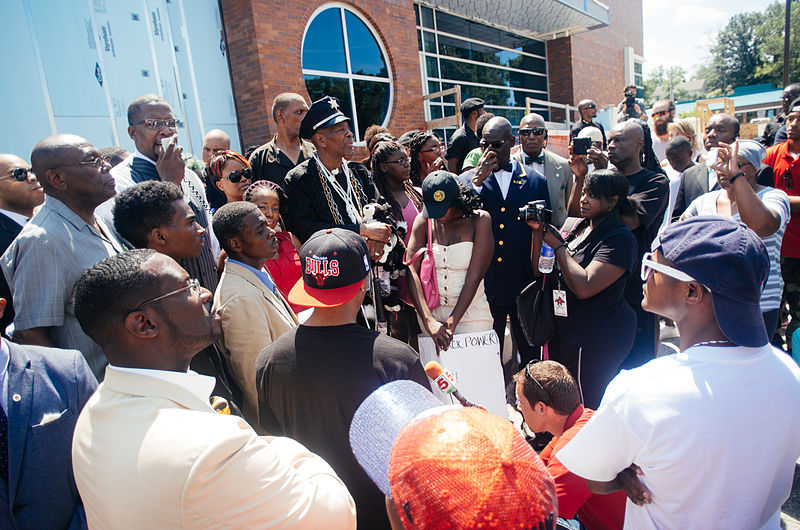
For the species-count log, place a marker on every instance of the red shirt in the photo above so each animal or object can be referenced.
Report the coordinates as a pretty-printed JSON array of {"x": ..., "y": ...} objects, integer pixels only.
[
  {"x": 779, "y": 158},
  {"x": 596, "y": 512}
]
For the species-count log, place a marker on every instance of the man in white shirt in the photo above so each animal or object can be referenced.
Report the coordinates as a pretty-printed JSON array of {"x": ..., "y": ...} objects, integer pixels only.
[
  {"x": 714, "y": 429},
  {"x": 149, "y": 451},
  {"x": 663, "y": 114}
]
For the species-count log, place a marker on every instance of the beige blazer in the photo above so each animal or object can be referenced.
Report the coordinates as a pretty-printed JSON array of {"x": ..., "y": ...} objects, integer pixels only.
[
  {"x": 560, "y": 181},
  {"x": 252, "y": 317},
  {"x": 150, "y": 453}
]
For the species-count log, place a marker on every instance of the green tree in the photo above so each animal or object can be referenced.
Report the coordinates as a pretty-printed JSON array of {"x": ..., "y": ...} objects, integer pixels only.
[
  {"x": 736, "y": 56},
  {"x": 771, "y": 34}
]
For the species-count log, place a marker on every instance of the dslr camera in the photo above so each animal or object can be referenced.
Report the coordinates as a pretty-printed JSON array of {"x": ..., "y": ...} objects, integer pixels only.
[{"x": 536, "y": 211}]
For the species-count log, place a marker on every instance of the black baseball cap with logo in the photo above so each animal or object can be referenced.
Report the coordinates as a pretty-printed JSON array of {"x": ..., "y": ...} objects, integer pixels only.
[
  {"x": 334, "y": 263},
  {"x": 322, "y": 113},
  {"x": 439, "y": 189}
]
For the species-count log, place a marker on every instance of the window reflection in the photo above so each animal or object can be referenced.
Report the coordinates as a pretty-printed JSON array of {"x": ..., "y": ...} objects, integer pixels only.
[
  {"x": 323, "y": 46},
  {"x": 323, "y": 51}
]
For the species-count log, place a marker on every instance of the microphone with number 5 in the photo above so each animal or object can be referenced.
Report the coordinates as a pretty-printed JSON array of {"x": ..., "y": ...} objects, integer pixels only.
[{"x": 446, "y": 382}]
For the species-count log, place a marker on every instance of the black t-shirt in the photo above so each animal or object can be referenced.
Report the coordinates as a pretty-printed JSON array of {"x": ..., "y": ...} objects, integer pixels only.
[
  {"x": 581, "y": 125},
  {"x": 462, "y": 142},
  {"x": 648, "y": 191},
  {"x": 311, "y": 381},
  {"x": 605, "y": 318}
]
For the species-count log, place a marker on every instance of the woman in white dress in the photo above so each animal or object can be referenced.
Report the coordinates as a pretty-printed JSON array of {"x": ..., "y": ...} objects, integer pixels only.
[{"x": 462, "y": 244}]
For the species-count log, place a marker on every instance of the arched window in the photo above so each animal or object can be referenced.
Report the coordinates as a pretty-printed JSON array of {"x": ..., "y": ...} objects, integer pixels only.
[{"x": 343, "y": 58}]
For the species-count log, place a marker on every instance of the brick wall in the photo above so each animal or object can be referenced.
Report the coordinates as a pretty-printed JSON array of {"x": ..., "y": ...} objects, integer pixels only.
[
  {"x": 597, "y": 55},
  {"x": 559, "y": 74},
  {"x": 265, "y": 43}
]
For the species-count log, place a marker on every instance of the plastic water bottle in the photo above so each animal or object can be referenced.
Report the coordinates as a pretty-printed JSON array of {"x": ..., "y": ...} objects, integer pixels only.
[{"x": 546, "y": 259}]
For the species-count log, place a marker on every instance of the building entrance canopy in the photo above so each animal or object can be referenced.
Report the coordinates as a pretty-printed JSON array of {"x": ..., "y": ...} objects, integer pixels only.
[{"x": 537, "y": 19}]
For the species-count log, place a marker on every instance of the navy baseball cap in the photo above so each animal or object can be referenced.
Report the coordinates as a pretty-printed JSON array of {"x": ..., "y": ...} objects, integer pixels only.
[
  {"x": 438, "y": 191},
  {"x": 471, "y": 104},
  {"x": 322, "y": 113},
  {"x": 732, "y": 262},
  {"x": 335, "y": 263}
]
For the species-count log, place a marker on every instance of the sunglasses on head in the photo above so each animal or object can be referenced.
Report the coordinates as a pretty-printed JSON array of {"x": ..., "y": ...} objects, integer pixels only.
[
  {"x": 20, "y": 174},
  {"x": 536, "y": 131},
  {"x": 238, "y": 176},
  {"x": 496, "y": 144},
  {"x": 592, "y": 106}
]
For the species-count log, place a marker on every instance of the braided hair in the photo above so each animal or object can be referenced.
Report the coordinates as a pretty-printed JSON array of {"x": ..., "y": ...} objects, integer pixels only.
[
  {"x": 267, "y": 185},
  {"x": 218, "y": 161},
  {"x": 414, "y": 148},
  {"x": 383, "y": 150}
]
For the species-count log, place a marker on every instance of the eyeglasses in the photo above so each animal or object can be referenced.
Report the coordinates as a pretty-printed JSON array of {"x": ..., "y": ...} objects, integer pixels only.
[
  {"x": 20, "y": 174},
  {"x": 95, "y": 162},
  {"x": 649, "y": 265},
  {"x": 157, "y": 124},
  {"x": 787, "y": 179},
  {"x": 434, "y": 149},
  {"x": 401, "y": 162},
  {"x": 659, "y": 113},
  {"x": 496, "y": 144},
  {"x": 592, "y": 106},
  {"x": 193, "y": 286},
  {"x": 237, "y": 176},
  {"x": 536, "y": 131}
]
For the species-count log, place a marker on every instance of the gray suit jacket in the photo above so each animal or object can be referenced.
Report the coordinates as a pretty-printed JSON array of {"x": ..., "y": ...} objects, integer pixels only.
[{"x": 47, "y": 387}]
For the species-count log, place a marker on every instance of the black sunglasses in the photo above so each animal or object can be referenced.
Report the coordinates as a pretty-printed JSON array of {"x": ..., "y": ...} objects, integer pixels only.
[
  {"x": 589, "y": 107},
  {"x": 20, "y": 174},
  {"x": 238, "y": 176},
  {"x": 536, "y": 131},
  {"x": 496, "y": 144}
]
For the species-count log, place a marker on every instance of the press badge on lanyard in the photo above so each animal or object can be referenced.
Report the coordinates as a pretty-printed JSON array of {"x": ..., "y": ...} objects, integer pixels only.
[{"x": 559, "y": 303}]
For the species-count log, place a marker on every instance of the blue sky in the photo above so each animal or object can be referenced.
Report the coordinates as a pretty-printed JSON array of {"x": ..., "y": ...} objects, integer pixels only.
[{"x": 679, "y": 32}]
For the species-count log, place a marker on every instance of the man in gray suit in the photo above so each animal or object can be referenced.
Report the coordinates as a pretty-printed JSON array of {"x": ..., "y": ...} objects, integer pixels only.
[
  {"x": 538, "y": 161},
  {"x": 46, "y": 389}
]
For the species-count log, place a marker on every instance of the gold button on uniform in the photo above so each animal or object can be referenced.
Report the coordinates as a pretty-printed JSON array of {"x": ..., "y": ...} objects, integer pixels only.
[
  {"x": 503, "y": 209},
  {"x": 499, "y": 259},
  {"x": 499, "y": 242},
  {"x": 502, "y": 226}
]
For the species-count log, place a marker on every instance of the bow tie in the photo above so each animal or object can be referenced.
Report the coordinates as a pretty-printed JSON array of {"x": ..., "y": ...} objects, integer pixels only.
[
  {"x": 539, "y": 160},
  {"x": 506, "y": 167}
]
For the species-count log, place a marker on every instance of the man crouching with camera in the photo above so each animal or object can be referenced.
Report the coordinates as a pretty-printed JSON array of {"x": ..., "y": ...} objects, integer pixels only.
[
  {"x": 594, "y": 324},
  {"x": 505, "y": 187}
]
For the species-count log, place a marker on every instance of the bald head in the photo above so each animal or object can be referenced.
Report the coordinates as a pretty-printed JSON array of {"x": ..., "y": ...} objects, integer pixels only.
[
  {"x": 587, "y": 109},
  {"x": 498, "y": 135},
  {"x": 498, "y": 127},
  {"x": 529, "y": 121},
  {"x": 625, "y": 144},
  {"x": 54, "y": 151},
  {"x": 215, "y": 141},
  {"x": 7, "y": 162},
  {"x": 720, "y": 128},
  {"x": 20, "y": 196}
]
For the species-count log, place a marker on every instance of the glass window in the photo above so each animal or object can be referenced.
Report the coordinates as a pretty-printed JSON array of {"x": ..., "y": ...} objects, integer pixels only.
[
  {"x": 359, "y": 78},
  {"x": 427, "y": 17},
  {"x": 430, "y": 42},
  {"x": 365, "y": 55},
  {"x": 323, "y": 47}
]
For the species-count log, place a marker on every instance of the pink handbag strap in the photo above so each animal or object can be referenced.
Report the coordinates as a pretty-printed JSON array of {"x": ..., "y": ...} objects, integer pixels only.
[{"x": 421, "y": 251}]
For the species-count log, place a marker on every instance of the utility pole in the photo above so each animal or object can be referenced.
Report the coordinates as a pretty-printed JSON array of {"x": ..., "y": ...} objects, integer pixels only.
[{"x": 786, "y": 31}]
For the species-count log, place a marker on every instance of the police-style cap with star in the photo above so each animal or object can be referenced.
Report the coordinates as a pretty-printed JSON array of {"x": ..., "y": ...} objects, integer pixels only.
[
  {"x": 322, "y": 113},
  {"x": 438, "y": 191},
  {"x": 335, "y": 263}
]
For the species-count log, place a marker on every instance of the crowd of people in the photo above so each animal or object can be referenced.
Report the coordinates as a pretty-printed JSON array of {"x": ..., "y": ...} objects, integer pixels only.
[{"x": 187, "y": 344}]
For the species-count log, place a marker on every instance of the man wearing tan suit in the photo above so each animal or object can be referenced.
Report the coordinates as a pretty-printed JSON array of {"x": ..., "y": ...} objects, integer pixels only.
[
  {"x": 149, "y": 451},
  {"x": 254, "y": 313}
]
